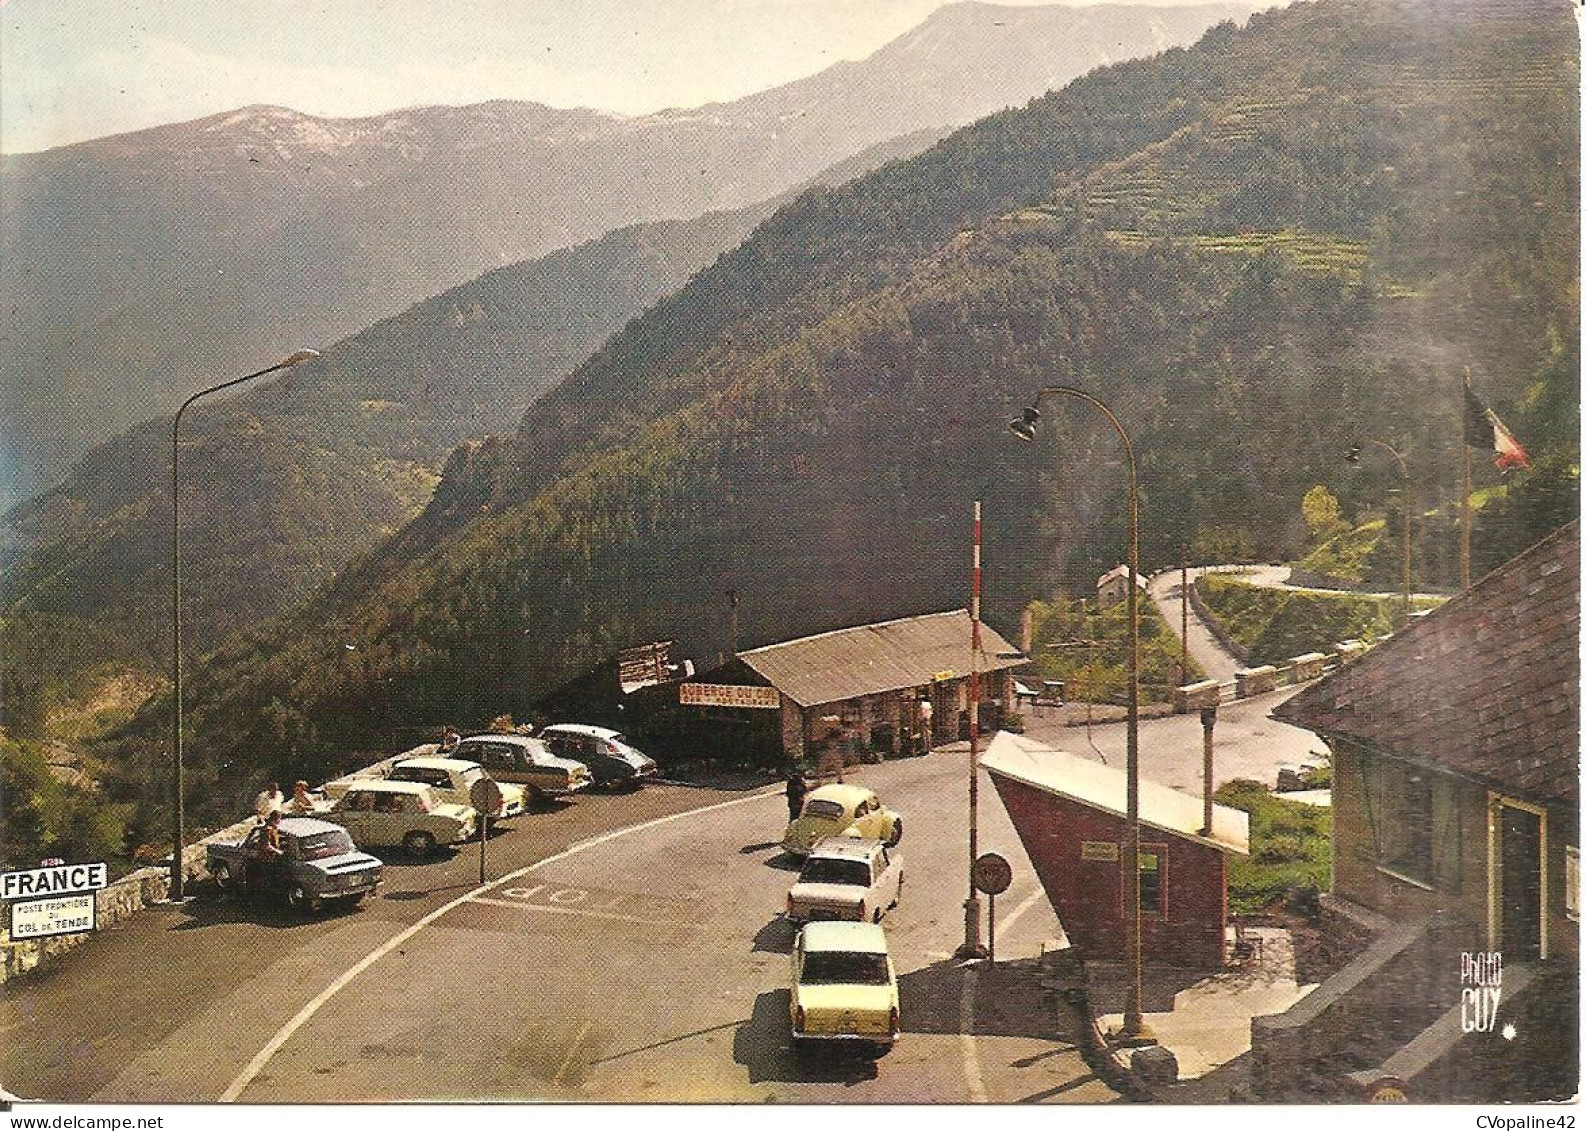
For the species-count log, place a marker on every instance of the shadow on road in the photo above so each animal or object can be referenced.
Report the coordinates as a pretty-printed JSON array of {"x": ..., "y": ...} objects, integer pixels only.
[
  {"x": 213, "y": 910},
  {"x": 1008, "y": 1001},
  {"x": 764, "y": 1045},
  {"x": 776, "y": 937},
  {"x": 785, "y": 862},
  {"x": 751, "y": 849}
]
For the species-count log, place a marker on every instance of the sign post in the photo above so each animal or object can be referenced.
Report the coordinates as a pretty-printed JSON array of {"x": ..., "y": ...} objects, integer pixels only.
[
  {"x": 993, "y": 875},
  {"x": 485, "y": 796}
]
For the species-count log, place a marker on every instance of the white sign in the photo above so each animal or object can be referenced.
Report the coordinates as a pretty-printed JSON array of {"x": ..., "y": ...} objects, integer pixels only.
[
  {"x": 728, "y": 695},
  {"x": 39, "y": 918},
  {"x": 57, "y": 880}
]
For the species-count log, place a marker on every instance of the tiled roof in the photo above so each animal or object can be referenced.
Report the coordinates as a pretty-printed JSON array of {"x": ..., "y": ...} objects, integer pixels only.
[
  {"x": 1487, "y": 686},
  {"x": 874, "y": 658}
]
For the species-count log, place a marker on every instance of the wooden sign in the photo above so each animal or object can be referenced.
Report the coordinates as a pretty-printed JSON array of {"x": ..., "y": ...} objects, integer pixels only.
[{"x": 729, "y": 695}]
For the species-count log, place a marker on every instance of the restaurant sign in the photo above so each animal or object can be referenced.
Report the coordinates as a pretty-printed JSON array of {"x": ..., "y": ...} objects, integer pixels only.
[{"x": 728, "y": 695}]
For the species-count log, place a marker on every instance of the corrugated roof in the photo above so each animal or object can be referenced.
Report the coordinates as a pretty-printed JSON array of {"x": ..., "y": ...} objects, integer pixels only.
[
  {"x": 1102, "y": 787},
  {"x": 874, "y": 658},
  {"x": 1487, "y": 686}
]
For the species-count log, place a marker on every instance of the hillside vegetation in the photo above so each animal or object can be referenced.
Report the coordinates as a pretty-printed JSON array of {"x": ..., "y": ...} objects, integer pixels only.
[
  {"x": 1274, "y": 625},
  {"x": 1253, "y": 249}
]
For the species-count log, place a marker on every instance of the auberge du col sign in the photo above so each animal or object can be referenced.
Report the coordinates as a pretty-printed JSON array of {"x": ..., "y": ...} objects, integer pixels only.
[{"x": 728, "y": 695}]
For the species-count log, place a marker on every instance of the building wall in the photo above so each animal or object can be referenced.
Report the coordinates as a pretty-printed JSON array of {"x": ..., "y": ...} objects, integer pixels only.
[
  {"x": 1088, "y": 894},
  {"x": 1458, "y": 880}
]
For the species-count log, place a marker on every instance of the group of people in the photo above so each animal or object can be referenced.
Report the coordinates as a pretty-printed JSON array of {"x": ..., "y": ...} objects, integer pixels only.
[{"x": 270, "y": 801}]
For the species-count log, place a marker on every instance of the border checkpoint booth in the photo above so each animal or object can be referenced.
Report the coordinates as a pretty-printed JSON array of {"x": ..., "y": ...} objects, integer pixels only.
[{"x": 1069, "y": 813}]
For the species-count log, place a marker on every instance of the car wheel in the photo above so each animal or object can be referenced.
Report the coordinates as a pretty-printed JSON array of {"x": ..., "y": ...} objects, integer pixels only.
[
  {"x": 875, "y": 916},
  {"x": 418, "y": 843},
  {"x": 225, "y": 883},
  {"x": 355, "y": 900},
  {"x": 897, "y": 833}
]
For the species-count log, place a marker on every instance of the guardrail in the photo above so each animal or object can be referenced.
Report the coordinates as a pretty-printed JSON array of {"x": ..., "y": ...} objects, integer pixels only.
[{"x": 1248, "y": 682}]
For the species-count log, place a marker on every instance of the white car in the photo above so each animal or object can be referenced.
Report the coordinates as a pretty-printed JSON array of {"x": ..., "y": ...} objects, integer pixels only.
[
  {"x": 453, "y": 781},
  {"x": 385, "y": 814},
  {"x": 846, "y": 878}
]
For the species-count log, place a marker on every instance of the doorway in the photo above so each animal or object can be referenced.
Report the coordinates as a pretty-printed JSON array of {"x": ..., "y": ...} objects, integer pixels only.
[{"x": 1520, "y": 833}]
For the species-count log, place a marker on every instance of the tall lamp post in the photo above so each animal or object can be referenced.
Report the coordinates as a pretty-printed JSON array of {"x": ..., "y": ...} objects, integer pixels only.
[
  {"x": 1134, "y": 1027},
  {"x": 1353, "y": 459},
  {"x": 177, "y": 831}
]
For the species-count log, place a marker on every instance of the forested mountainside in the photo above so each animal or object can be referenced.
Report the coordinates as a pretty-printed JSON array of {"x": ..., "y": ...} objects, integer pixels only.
[
  {"x": 138, "y": 268},
  {"x": 1257, "y": 250},
  {"x": 285, "y": 484}
]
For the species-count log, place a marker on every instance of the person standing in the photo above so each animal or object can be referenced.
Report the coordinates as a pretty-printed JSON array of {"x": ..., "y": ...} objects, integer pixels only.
[
  {"x": 302, "y": 801},
  {"x": 269, "y": 801},
  {"x": 926, "y": 714},
  {"x": 797, "y": 787}
]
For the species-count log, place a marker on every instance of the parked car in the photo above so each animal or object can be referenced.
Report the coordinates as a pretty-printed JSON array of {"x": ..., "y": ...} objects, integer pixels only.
[
  {"x": 319, "y": 864},
  {"x": 453, "y": 781},
  {"x": 609, "y": 756},
  {"x": 841, "y": 810},
  {"x": 846, "y": 878},
  {"x": 844, "y": 987},
  {"x": 386, "y": 814},
  {"x": 525, "y": 761}
]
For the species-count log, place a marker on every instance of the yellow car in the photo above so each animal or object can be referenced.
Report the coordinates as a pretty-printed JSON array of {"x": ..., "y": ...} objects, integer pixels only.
[
  {"x": 844, "y": 987},
  {"x": 841, "y": 810}
]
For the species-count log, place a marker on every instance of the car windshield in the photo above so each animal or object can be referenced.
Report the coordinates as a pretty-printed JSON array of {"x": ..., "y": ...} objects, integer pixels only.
[
  {"x": 818, "y": 871},
  {"x": 830, "y": 810},
  {"x": 844, "y": 968},
  {"x": 320, "y": 846}
]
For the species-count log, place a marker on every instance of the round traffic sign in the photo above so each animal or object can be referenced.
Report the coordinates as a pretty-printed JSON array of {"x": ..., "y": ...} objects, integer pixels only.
[
  {"x": 993, "y": 874},
  {"x": 485, "y": 796}
]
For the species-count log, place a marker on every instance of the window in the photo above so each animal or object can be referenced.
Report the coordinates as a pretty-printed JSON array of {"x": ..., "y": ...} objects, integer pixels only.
[
  {"x": 1572, "y": 882},
  {"x": 1153, "y": 879},
  {"x": 1399, "y": 802}
]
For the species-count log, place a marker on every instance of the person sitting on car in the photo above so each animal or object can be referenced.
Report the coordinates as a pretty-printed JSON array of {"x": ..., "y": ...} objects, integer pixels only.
[{"x": 302, "y": 801}]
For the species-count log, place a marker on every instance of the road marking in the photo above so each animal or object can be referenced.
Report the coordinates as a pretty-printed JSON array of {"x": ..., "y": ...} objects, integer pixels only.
[
  {"x": 561, "y": 1069},
  {"x": 966, "y": 1011},
  {"x": 306, "y": 1014},
  {"x": 966, "y": 1037},
  {"x": 520, "y": 905}
]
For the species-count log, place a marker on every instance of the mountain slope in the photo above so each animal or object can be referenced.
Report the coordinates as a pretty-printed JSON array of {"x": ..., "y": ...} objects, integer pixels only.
[
  {"x": 140, "y": 267},
  {"x": 1256, "y": 250},
  {"x": 285, "y": 484}
]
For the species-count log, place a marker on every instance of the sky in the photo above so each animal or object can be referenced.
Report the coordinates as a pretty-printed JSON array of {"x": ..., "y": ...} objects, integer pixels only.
[{"x": 76, "y": 69}]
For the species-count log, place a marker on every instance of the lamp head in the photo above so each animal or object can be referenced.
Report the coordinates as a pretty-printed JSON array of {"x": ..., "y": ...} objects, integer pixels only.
[{"x": 1024, "y": 427}]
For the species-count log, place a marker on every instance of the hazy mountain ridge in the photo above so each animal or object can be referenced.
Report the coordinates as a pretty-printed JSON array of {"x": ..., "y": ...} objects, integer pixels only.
[
  {"x": 809, "y": 419},
  {"x": 287, "y": 483},
  {"x": 140, "y": 267}
]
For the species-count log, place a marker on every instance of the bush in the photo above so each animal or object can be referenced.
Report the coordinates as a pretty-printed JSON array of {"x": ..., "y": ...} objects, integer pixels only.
[{"x": 1290, "y": 843}]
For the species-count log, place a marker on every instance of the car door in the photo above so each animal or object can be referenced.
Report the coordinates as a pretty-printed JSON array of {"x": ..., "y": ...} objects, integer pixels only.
[{"x": 351, "y": 814}]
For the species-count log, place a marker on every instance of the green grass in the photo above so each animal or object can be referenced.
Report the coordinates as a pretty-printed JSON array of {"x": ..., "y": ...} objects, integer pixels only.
[
  {"x": 1291, "y": 846},
  {"x": 1274, "y": 625},
  {"x": 1099, "y": 673}
]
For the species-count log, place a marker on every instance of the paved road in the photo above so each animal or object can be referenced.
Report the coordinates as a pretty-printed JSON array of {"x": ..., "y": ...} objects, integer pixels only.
[
  {"x": 1246, "y": 743},
  {"x": 1205, "y": 649},
  {"x": 627, "y": 956}
]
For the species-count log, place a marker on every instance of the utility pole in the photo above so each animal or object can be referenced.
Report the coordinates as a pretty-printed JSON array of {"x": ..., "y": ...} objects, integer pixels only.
[
  {"x": 1183, "y": 608},
  {"x": 972, "y": 947},
  {"x": 1208, "y": 721}
]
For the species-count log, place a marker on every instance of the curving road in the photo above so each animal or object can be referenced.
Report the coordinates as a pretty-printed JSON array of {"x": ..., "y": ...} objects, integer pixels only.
[{"x": 632, "y": 950}]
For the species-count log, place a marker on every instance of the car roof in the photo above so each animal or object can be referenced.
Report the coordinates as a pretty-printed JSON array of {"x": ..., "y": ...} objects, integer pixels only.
[
  {"x": 308, "y": 826},
  {"x": 429, "y": 763},
  {"x": 583, "y": 728},
  {"x": 512, "y": 739},
  {"x": 381, "y": 785},
  {"x": 847, "y": 847},
  {"x": 845, "y": 795},
  {"x": 865, "y": 938}
]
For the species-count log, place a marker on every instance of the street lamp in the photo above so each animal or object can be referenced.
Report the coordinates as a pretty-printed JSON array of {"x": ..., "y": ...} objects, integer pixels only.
[
  {"x": 1134, "y": 1028},
  {"x": 1353, "y": 459},
  {"x": 177, "y": 832}
]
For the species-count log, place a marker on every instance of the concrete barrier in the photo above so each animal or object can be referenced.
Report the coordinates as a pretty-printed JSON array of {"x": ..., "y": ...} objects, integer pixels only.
[
  {"x": 1255, "y": 681},
  {"x": 1348, "y": 651},
  {"x": 1307, "y": 667},
  {"x": 1195, "y": 696}
]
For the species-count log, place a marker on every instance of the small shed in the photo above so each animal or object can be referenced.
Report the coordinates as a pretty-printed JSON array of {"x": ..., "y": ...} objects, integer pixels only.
[
  {"x": 1070, "y": 814},
  {"x": 1113, "y": 586}
]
